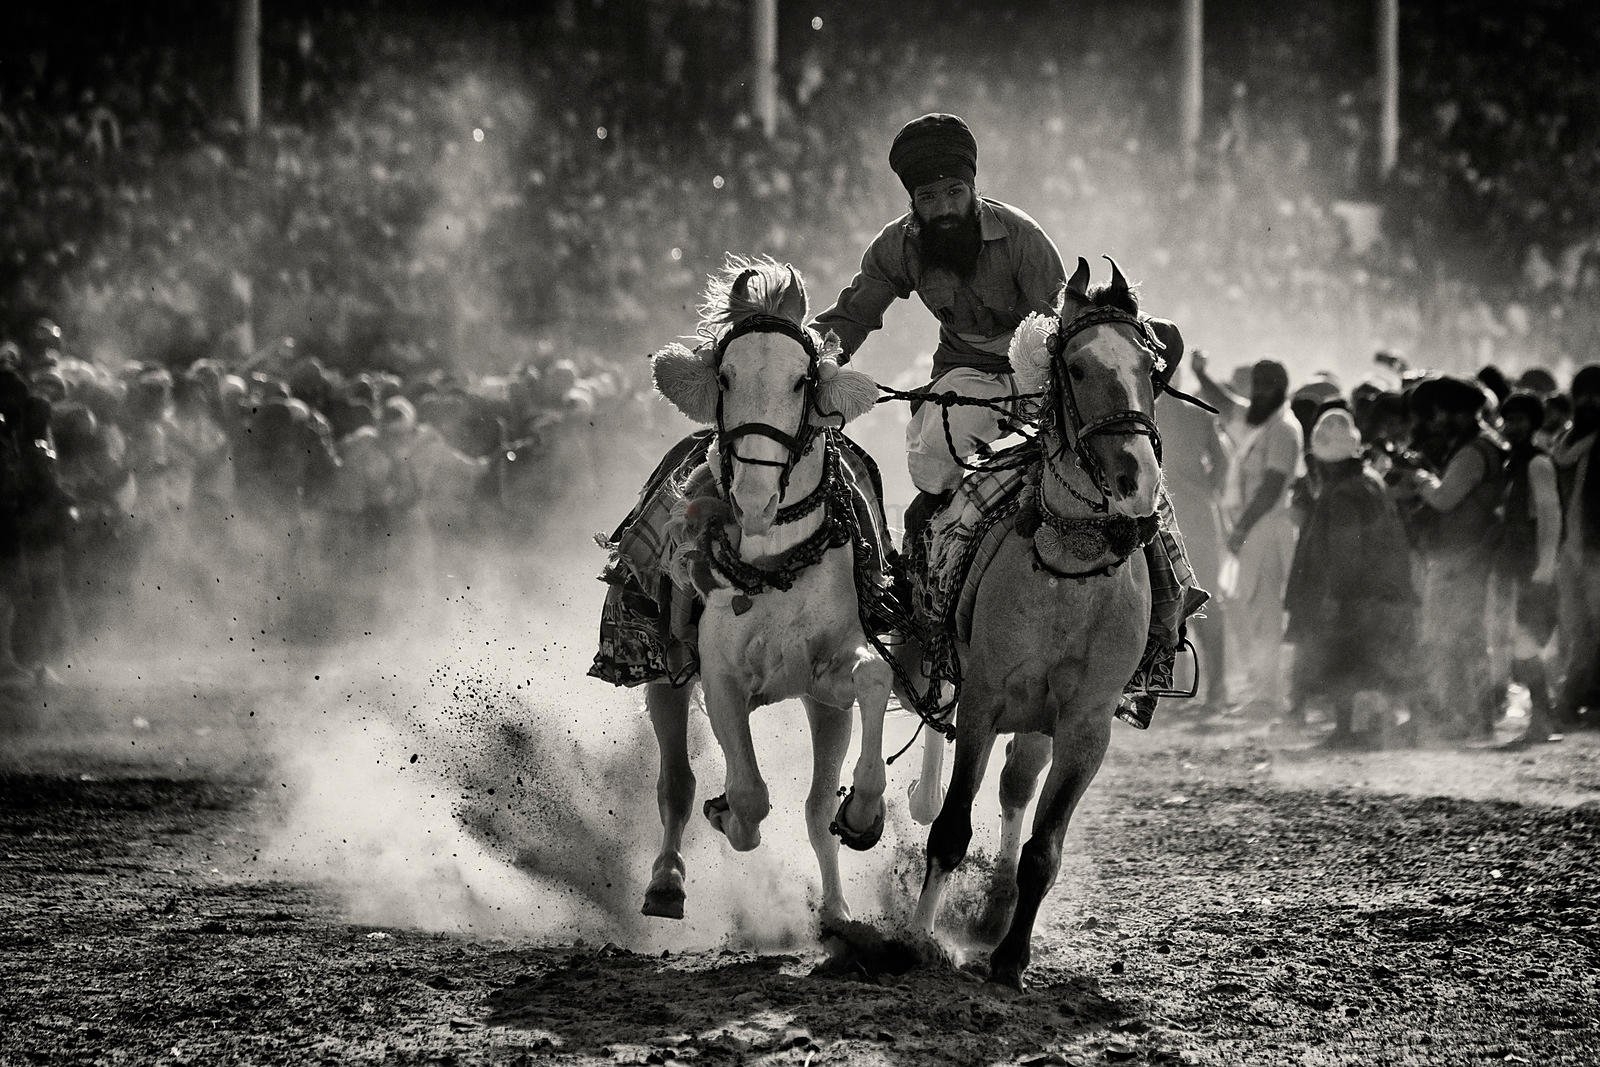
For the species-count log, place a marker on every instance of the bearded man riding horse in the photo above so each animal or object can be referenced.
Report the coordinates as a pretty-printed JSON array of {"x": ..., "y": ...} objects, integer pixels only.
[{"x": 981, "y": 266}]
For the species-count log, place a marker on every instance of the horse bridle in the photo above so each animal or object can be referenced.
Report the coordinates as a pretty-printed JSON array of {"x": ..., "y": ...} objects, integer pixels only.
[
  {"x": 1121, "y": 421},
  {"x": 795, "y": 444}
]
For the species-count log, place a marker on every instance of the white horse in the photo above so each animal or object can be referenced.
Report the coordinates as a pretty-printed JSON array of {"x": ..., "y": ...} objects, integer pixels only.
[{"x": 781, "y": 618}]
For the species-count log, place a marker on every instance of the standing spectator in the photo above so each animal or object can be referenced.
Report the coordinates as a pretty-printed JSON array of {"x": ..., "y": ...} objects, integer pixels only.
[
  {"x": 45, "y": 524},
  {"x": 1578, "y": 562},
  {"x": 1455, "y": 555},
  {"x": 1263, "y": 533},
  {"x": 13, "y": 399},
  {"x": 1196, "y": 465},
  {"x": 1350, "y": 599},
  {"x": 1525, "y": 553}
]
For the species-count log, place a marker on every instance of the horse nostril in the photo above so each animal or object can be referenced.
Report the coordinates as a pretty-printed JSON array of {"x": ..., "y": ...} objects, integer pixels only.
[{"x": 1127, "y": 485}]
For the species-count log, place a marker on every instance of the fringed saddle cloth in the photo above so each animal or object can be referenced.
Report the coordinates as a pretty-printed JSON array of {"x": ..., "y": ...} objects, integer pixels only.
[
  {"x": 648, "y": 626},
  {"x": 963, "y": 540}
]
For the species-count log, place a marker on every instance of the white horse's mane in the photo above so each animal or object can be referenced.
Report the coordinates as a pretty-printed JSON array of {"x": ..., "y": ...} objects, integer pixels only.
[{"x": 765, "y": 287}]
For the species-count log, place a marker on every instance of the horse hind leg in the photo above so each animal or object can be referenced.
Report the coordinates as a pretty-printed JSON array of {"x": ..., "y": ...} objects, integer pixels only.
[
  {"x": 1026, "y": 756},
  {"x": 1080, "y": 746},
  {"x": 952, "y": 830},
  {"x": 927, "y": 791},
  {"x": 669, "y": 716},
  {"x": 830, "y": 739}
]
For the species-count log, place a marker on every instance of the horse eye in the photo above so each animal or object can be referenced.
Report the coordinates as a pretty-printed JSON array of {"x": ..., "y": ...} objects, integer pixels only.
[
  {"x": 722, "y": 379},
  {"x": 1076, "y": 372},
  {"x": 799, "y": 385}
]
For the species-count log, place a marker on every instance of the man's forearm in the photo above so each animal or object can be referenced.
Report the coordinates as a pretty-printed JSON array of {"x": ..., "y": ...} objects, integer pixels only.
[{"x": 1267, "y": 497}]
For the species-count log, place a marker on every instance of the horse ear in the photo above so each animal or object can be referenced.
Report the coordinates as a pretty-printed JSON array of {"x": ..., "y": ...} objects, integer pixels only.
[
  {"x": 1119, "y": 284},
  {"x": 794, "y": 303},
  {"x": 1030, "y": 351},
  {"x": 688, "y": 381},
  {"x": 843, "y": 394},
  {"x": 741, "y": 285},
  {"x": 1078, "y": 284}
]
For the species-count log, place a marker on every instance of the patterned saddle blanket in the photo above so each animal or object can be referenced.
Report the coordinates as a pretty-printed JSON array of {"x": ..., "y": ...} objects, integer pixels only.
[
  {"x": 962, "y": 540},
  {"x": 649, "y": 624}
]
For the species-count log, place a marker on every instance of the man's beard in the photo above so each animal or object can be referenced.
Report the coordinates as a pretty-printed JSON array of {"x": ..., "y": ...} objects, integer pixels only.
[
  {"x": 1262, "y": 408},
  {"x": 953, "y": 247}
]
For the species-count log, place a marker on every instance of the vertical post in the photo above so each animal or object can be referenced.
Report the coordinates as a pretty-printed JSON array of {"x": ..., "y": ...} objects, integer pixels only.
[
  {"x": 1389, "y": 85},
  {"x": 764, "y": 87},
  {"x": 1190, "y": 85},
  {"x": 247, "y": 97},
  {"x": 247, "y": 64}
]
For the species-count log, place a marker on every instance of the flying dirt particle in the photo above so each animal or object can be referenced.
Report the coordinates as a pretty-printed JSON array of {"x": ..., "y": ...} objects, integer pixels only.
[{"x": 413, "y": 757}]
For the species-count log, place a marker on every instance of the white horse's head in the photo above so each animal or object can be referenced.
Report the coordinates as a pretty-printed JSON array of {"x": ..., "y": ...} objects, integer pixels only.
[
  {"x": 764, "y": 381},
  {"x": 1098, "y": 367}
]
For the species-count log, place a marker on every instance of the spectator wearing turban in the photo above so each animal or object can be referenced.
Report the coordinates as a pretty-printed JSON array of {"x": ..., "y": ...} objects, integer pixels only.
[
  {"x": 1263, "y": 535},
  {"x": 1457, "y": 556},
  {"x": 1525, "y": 547},
  {"x": 1349, "y": 596},
  {"x": 1578, "y": 561}
]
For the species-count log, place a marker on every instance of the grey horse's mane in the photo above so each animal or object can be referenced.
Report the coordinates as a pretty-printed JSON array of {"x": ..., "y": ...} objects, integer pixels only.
[{"x": 765, "y": 284}]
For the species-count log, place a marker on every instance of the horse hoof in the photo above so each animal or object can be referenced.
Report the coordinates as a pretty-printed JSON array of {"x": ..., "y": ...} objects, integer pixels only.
[
  {"x": 717, "y": 810},
  {"x": 1006, "y": 971},
  {"x": 860, "y": 840},
  {"x": 663, "y": 902}
]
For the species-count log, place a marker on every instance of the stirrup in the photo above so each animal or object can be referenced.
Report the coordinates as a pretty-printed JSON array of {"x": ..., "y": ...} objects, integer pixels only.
[{"x": 1153, "y": 680}]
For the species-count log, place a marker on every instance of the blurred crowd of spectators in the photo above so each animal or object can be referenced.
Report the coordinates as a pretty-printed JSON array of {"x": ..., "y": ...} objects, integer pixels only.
[
  {"x": 1421, "y": 540},
  {"x": 293, "y": 501}
]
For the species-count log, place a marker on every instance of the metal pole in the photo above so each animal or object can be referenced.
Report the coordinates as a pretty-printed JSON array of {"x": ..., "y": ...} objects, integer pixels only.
[
  {"x": 1389, "y": 83},
  {"x": 1190, "y": 86},
  {"x": 247, "y": 64},
  {"x": 764, "y": 27}
]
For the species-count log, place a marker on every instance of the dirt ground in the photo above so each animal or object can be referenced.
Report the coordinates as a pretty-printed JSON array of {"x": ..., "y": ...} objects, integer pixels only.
[{"x": 1250, "y": 899}]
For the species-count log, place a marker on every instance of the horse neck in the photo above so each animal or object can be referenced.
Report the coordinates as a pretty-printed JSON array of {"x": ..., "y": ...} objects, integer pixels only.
[{"x": 803, "y": 480}]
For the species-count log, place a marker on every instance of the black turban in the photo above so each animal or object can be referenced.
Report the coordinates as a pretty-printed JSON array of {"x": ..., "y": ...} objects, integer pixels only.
[
  {"x": 1526, "y": 404},
  {"x": 1458, "y": 396},
  {"x": 933, "y": 147}
]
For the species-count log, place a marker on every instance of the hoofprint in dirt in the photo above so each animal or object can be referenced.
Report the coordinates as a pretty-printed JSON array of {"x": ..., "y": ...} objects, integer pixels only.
[{"x": 1224, "y": 900}]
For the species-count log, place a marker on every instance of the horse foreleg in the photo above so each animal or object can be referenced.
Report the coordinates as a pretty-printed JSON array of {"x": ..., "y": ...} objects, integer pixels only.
[
  {"x": 1080, "y": 745},
  {"x": 1026, "y": 756},
  {"x": 669, "y": 716},
  {"x": 830, "y": 739},
  {"x": 861, "y": 817},
  {"x": 737, "y": 814},
  {"x": 952, "y": 830}
]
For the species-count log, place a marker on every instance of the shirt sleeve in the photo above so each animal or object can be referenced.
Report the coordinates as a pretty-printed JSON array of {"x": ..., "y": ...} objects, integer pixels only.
[
  {"x": 881, "y": 280},
  {"x": 1282, "y": 449},
  {"x": 1040, "y": 273},
  {"x": 1546, "y": 507},
  {"x": 1461, "y": 477}
]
